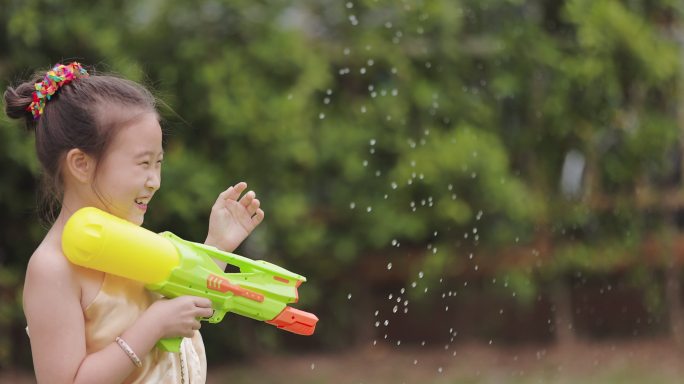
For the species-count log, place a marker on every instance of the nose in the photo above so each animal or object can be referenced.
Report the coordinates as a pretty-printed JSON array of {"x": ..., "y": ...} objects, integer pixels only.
[{"x": 153, "y": 181}]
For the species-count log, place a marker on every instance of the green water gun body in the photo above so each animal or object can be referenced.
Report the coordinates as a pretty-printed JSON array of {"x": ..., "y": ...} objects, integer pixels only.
[{"x": 174, "y": 267}]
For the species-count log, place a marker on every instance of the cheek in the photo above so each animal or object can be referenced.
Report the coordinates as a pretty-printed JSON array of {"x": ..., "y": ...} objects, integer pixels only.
[{"x": 116, "y": 180}]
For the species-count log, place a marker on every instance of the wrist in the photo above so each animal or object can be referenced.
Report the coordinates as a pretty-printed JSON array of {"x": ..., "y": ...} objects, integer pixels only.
[
  {"x": 151, "y": 325},
  {"x": 210, "y": 241},
  {"x": 225, "y": 248}
]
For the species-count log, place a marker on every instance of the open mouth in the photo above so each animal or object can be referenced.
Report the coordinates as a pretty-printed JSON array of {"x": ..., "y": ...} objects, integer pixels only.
[{"x": 141, "y": 204}]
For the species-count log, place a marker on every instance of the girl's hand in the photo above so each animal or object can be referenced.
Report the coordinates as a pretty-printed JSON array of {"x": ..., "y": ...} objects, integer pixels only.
[
  {"x": 178, "y": 317},
  {"x": 233, "y": 218}
]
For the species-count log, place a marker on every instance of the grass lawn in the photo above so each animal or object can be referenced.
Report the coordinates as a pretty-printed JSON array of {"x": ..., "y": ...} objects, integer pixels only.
[
  {"x": 620, "y": 362},
  {"x": 643, "y": 361}
]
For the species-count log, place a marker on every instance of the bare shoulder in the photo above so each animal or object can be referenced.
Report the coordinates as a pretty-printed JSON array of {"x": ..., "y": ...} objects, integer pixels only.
[
  {"x": 49, "y": 269},
  {"x": 49, "y": 262}
]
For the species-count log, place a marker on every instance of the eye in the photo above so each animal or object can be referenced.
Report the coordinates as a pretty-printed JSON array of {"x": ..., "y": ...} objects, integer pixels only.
[{"x": 145, "y": 163}]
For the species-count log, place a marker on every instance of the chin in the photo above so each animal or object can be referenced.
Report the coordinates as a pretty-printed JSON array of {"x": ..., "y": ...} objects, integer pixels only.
[{"x": 136, "y": 219}]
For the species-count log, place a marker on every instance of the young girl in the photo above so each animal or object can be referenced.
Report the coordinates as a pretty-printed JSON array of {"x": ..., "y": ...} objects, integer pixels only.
[{"x": 99, "y": 142}]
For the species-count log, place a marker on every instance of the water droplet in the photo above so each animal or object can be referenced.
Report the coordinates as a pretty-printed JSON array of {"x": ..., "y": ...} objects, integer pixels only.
[
  {"x": 372, "y": 142},
  {"x": 313, "y": 366},
  {"x": 321, "y": 116},
  {"x": 394, "y": 310},
  {"x": 420, "y": 274},
  {"x": 350, "y": 5},
  {"x": 389, "y": 266},
  {"x": 349, "y": 296},
  {"x": 368, "y": 209},
  {"x": 352, "y": 205},
  {"x": 363, "y": 109}
]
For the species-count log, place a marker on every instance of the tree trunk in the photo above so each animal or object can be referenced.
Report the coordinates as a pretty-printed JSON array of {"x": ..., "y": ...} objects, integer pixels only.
[
  {"x": 673, "y": 298},
  {"x": 562, "y": 305}
]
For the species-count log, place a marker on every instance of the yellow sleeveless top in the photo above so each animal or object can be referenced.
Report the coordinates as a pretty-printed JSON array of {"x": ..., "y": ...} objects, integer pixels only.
[{"x": 115, "y": 308}]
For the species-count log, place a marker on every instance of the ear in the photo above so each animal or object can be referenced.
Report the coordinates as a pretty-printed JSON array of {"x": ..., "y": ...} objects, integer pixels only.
[{"x": 80, "y": 165}]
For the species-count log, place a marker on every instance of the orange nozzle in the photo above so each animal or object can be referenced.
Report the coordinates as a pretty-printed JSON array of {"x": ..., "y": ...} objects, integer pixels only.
[{"x": 295, "y": 321}]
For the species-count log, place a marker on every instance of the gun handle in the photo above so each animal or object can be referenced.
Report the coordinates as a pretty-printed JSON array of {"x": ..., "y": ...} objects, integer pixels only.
[{"x": 170, "y": 345}]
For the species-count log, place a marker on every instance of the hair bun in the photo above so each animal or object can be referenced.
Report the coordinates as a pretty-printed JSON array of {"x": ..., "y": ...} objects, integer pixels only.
[{"x": 17, "y": 100}]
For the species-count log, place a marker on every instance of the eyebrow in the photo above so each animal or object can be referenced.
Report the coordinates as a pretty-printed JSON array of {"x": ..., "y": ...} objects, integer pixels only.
[{"x": 148, "y": 153}]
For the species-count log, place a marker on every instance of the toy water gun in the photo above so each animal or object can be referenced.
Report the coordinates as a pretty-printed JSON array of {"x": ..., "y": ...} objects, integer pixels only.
[{"x": 173, "y": 267}]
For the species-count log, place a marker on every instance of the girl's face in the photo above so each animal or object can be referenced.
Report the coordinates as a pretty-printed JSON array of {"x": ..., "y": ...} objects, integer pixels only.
[{"x": 130, "y": 172}]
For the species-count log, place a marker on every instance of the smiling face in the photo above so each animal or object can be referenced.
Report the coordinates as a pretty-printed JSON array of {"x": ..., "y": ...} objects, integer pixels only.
[{"x": 130, "y": 172}]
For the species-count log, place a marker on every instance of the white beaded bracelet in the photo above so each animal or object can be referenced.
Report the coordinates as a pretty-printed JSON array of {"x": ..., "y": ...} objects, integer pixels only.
[{"x": 129, "y": 351}]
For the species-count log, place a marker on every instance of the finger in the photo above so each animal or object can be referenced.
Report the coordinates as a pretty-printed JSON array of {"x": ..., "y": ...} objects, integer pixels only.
[
  {"x": 196, "y": 325},
  {"x": 252, "y": 208},
  {"x": 205, "y": 313},
  {"x": 236, "y": 191},
  {"x": 202, "y": 302},
  {"x": 246, "y": 200},
  {"x": 258, "y": 217},
  {"x": 224, "y": 195}
]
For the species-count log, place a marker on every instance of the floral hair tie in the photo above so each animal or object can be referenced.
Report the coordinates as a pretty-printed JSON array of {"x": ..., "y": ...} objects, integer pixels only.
[{"x": 54, "y": 79}]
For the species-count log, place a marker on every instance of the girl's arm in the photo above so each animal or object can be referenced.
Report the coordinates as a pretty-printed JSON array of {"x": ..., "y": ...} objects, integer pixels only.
[{"x": 57, "y": 330}]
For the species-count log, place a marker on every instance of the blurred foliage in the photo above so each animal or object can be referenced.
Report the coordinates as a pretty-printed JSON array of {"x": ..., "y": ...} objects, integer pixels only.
[{"x": 375, "y": 128}]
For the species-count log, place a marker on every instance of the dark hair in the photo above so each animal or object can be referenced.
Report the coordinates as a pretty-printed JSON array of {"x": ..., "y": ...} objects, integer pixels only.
[{"x": 83, "y": 114}]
